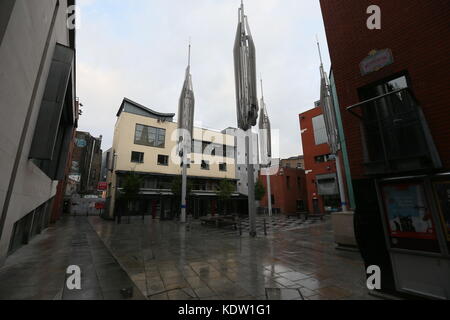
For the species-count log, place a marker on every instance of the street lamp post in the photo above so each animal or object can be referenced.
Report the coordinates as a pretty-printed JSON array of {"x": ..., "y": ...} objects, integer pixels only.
[
  {"x": 246, "y": 101},
  {"x": 186, "y": 110}
]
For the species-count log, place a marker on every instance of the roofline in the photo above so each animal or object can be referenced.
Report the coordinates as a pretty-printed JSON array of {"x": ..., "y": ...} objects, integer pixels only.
[{"x": 140, "y": 106}]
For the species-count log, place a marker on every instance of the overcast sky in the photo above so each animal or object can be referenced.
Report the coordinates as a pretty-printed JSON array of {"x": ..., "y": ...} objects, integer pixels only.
[{"x": 138, "y": 49}]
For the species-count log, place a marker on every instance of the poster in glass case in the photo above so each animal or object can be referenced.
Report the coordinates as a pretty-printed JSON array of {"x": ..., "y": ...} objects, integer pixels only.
[
  {"x": 443, "y": 197},
  {"x": 407, "y": 211}
]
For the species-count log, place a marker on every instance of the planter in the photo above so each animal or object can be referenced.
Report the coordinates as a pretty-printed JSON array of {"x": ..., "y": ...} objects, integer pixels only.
[{"x": 344, "y": 232}]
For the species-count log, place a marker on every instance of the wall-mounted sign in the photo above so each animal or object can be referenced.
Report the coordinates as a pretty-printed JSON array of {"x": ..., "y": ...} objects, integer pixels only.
[
  {"x": 443, "y": 196},
  {"x": 376, "y": 60}
]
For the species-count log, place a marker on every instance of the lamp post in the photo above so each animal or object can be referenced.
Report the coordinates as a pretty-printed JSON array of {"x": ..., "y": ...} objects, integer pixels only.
[
  {"x": 246, "y": 101},
  {"x": 186, "y": 110}
]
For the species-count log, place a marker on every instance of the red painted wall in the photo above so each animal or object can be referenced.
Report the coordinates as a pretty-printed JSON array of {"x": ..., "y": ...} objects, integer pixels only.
[
  {"x": 310, "y": 151},
  {"x": 286, "y": 197},
  {"x": 418, "y": 33}
]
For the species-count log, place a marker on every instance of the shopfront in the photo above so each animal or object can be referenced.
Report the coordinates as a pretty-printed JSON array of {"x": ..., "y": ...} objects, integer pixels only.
[{"x": 416, "y": 220}]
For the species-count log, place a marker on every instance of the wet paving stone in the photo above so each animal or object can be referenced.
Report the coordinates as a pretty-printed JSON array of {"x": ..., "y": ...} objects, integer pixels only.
[
  {"x": 300, "y": 258},
  {"x": 283, "y": 294}
]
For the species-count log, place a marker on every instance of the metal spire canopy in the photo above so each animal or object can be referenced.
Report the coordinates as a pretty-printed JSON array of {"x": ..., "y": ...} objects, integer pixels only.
[
  {"x": 327, "y": 105},
  {"x": 186, "y": 108},
  {"x": 265, "y": 133},
  {"x": 245, "y": 74}
]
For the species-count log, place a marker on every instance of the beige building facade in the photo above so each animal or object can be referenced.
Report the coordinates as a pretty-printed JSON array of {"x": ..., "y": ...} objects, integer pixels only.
[{"x": 145, "y": 143}]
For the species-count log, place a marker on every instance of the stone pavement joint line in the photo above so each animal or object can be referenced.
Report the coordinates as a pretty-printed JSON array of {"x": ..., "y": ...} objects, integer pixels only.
[
  {"x": 37, "y": 271},
  {"x": 170, "y": 261}
]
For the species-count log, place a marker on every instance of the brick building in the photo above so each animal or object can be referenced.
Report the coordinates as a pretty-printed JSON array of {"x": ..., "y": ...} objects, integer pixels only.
[
  {"x": 85, "y": 169},
  {"x": 288, "y": 189},
  {"x": 320, "y": 166},
  {"x": 392, "y": 87}
]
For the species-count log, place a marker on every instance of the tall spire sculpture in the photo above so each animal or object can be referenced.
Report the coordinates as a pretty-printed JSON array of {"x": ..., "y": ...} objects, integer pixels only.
[
  {"x": 329, "y": 114},
  {"x": 246, "y": 101},
  {"x": 265, "y": 138},
  {"x": 186, "y": 109}
]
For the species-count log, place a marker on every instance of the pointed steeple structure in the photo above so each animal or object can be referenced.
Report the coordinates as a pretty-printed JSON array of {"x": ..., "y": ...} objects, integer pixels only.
[
  {"x": 264, "y": 130},
  {"x": 186, "y": 107},
  {"x": 245, "y": 74}
]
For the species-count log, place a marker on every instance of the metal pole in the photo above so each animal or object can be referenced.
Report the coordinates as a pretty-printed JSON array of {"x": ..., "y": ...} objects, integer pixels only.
[
  {"x": 269, "y": 191},
  {"x": 341, "y": 183},
  {"x": 251, "y": 184},
  {"x": 183, "y": 187}
]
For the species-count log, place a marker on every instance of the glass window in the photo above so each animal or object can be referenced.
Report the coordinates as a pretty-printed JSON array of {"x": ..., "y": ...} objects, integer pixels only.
[
  {"x": 163, "y": 160},
  {"x": 150, "y": 136},
  {"x": 137, "y": 157},
  {"x": 205, "y": 165},
  {"x": 223, "y": 167},
  {"x": 320, "y": 130}
]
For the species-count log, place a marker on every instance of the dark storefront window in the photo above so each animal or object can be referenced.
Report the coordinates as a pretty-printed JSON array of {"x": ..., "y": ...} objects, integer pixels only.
[{"x": 395, "y": 135}]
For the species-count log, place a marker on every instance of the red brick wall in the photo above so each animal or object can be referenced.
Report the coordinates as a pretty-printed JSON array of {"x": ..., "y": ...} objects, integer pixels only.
[
  {"x": 311, "y": 151},
  {"x": 286, "y": 198},
  {"x": 418, "y": 33}
]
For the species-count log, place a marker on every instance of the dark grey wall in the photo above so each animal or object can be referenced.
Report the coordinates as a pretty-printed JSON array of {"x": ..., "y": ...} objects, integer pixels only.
[{"x": 6, "y": 7}]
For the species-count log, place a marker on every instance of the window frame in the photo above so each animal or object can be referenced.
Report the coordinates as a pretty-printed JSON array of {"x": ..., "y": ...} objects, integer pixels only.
[
  {"x": 163, "y": 164},
  {"x": 155, "y": 139},
  {"x": 141, "y": 157}
]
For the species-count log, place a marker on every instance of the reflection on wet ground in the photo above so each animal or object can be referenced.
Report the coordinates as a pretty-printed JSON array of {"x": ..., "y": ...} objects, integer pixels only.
[{"x": 167, "y": 260}]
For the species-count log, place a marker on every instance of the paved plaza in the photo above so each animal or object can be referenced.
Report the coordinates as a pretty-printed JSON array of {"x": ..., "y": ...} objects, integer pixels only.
[
  {"x": 37, "y": 271},
  {"x": 164, "y": 260},
  {"x": 297, "y": 260}
]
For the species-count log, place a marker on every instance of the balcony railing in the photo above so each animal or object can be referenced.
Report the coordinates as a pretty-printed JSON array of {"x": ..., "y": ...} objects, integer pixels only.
[{"x": 396, "y": 137}]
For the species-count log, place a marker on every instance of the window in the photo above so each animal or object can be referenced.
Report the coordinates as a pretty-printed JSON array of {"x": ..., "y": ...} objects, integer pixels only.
[
  {"x": 223, "y": 167},
  {"x": 163, "y": 160},
  {"x": 323, "y": 158},
  {"x": 205, "y": 165},
  {"x": 395, "y": 135},
  {"x": 273, "y": 199},
  {"x": 288, "y": 182},
  {"x": 187, "y": 166},
  {"x": 150, "y": 136},
  {"x": 320, "y": 131},
  {"x": 301, "y": 206},
  {"x": 137, "y": 157}
]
